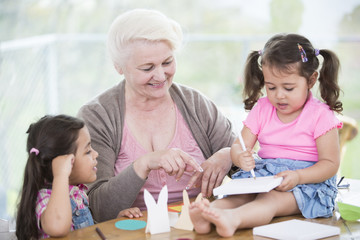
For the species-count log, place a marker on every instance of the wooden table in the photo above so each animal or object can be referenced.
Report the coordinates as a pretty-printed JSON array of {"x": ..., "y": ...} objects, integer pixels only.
[{"x": 349, "y": 230}]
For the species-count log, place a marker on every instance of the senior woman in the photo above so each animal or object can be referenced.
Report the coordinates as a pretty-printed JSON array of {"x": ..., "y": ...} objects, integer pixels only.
[{"x": 149, "y": 131}]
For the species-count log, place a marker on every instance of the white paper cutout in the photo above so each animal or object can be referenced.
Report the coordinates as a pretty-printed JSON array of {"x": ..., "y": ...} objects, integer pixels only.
[
  {"x": 173, "y": 218},
  {"x": 157, "y": 218}
]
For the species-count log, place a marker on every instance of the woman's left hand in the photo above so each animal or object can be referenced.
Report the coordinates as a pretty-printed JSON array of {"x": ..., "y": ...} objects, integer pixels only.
[
  {"x": 215, "y": 169},
  {"x": 290, "y": 180}
]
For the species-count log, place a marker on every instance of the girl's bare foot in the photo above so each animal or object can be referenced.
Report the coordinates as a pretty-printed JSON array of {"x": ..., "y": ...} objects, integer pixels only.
[
  {"x": 223, "y": 219},
  {"x": 201, "y": 225}
]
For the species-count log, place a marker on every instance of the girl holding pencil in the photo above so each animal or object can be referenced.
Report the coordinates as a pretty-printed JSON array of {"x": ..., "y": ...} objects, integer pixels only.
[{"x": 297, "y": 134}]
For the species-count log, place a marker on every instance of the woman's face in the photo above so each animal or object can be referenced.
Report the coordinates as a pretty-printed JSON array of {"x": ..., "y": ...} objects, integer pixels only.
[{"x": 149, "y": 69}]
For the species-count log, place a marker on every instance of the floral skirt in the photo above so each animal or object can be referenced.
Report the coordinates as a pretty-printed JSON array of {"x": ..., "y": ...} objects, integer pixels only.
[{"x": 314, "y": 200}]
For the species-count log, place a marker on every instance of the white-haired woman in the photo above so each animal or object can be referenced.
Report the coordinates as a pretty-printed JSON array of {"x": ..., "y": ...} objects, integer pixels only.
[{"x": 149, "y": 131}]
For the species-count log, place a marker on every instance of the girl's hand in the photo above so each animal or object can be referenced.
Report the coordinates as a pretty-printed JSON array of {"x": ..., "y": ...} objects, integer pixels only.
[
  {"x": 62, "y": 165},
  {"x": 130, "y": 213},
  {"x": 290, "y": 180},
  {"x": 174, "y": 161},
  {"x": 244, "y": 160}
]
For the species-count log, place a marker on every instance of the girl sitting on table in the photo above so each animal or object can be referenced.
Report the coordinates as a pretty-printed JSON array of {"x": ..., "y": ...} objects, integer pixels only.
[
  {"x": 61, "y": 160},
  {"x": 298, "y": 137}
]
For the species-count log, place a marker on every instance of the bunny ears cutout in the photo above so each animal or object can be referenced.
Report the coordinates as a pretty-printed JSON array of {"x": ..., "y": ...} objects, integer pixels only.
[{"x": 158, "y": 218}]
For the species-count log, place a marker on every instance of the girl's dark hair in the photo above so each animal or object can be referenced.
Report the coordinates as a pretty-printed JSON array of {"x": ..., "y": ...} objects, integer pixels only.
[
  {"x": 52, "y": 136},
  {"x": 282, "y": 52}
]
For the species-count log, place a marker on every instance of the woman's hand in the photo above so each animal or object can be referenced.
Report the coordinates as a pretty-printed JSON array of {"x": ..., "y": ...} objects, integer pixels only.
[
  {"x": 215, "y": 169},
  {"x": 290, "y": 180},
  {"x": 174, "y": 161},
  {"x": 130, "y": 213}
]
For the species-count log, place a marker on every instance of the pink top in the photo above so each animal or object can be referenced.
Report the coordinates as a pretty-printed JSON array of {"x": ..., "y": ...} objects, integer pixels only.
[
  {"x": 132, "y": 150},
  {"x": 295, "y": 140},
  {"x": 77, "y": 193}
]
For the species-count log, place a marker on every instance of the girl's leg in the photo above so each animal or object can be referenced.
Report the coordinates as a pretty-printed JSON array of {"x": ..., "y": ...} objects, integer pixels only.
[
  {"x": 255, "y": 213},
  {"x": 201, "y": 224}
]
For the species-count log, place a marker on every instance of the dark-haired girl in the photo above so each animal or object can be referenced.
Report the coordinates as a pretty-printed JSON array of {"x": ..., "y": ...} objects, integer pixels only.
[
  {"x": 297, "y": 134},
  {"x": 61, "y": 160}
]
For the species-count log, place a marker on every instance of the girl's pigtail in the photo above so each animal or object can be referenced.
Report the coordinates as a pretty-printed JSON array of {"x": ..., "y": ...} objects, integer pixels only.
[
  {"x": 329, "y": 88},
  {"x": 254, "y": 80},
  {"x": 26, "y": 223}
]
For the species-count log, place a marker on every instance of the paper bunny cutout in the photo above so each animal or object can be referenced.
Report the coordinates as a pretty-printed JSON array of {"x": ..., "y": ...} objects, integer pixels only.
[
  {"x": 158, "y": 218},
  {"x": 184, "y": 221}
]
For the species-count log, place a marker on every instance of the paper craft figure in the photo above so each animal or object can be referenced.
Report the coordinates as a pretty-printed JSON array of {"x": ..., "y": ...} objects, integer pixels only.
[
  {"x": 130, "y": 224},
  {"x": 199, "y": 197},
  {"x": 173, "y": 218},
  {"x": 184, "y": 221},
  {"x": 158, "y": 218},
  {"x": 175, "y": 208}
]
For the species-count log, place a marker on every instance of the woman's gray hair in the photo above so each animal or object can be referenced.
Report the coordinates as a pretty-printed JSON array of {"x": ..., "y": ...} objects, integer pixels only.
[{"x": 141, "y": 24}]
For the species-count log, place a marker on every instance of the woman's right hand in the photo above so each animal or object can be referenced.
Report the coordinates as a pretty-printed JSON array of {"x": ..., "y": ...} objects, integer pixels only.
[
  {"x": 174, "y": 161},
  {"x": 62, "y": 165}
]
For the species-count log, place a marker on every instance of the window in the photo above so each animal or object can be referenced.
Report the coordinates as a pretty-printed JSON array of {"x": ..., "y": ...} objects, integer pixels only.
[{"x": 53, "y": 59}]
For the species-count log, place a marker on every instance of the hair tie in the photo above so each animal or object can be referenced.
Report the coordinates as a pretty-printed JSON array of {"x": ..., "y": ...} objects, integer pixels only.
[
  {"x": 303, "y": 53},
  {"x": 260, "y": 52},
  {"x": 34, "y": 150},
  {"x": 317, "y": 52}
]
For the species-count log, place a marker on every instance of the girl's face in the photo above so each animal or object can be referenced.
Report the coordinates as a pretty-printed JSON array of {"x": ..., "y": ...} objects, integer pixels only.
[
  {"x": 287, "y": 92},
  {"x": 149, "y": 69},
  {"x": 84, "y": 168}
]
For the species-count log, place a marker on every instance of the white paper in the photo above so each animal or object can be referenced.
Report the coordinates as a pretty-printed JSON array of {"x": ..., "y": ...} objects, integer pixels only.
[
  {"x": 297, "y": 230},
  {"x": 158, "y": 217},
  {"x": 173, "y": 218},
  {"x": 248, "y": 185}
]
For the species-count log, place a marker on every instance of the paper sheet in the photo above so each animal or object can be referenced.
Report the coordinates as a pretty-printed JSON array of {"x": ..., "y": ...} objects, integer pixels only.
[
  {"x": 248, "y": 185},
  {"x": 296, "y": 230}
]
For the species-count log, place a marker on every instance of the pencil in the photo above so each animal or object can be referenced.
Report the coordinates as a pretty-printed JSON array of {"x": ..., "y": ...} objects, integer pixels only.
[
  {"x": 102, "y": 236},
  {"x": 244, "y": 148}
]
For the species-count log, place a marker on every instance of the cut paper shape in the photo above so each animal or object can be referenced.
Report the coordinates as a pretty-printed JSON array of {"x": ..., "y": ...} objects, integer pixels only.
[
  {"x": 296, "y": 229},
  {"x": 173, "y": 218},
  {"x": 184, "y": 221},
  {"x": 199, "y": 197},
  {"x": 130, "y": 224},
  {"x": 175, "y": 208},
  {"x": 158, "y": 217},
  {"x": 248, "y": 185}
]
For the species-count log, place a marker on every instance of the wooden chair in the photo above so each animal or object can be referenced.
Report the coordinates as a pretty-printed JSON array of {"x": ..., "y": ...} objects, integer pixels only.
[{"x": 346, "y": 133}]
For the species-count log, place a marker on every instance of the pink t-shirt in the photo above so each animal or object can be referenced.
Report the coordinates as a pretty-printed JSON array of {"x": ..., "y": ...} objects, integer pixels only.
[
  {"x": 295, "y": 140},
  {"x": 132, "y": 150}
]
